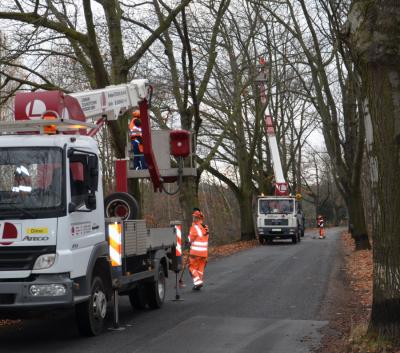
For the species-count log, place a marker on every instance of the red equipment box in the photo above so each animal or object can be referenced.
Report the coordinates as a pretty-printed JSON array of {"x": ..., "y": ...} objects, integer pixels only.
[{"x": 180, "y": 143}]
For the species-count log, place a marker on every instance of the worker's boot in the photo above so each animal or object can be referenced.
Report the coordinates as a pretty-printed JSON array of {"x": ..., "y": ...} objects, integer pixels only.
[{"x": 198, "y": 286}]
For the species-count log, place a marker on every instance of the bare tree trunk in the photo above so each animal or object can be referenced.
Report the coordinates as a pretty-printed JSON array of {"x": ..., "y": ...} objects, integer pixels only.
[
  {"x": 384, "y": 107},
  {"x": 188, "y": 198},
  {"x": 357, "y": 225},
  {"x": 373, "y": 38},
  {"x": 246, "y": 214}
]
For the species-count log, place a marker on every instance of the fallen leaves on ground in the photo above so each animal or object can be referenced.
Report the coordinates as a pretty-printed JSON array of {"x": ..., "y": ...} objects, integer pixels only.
[
  {"x": 229, "y": 249},
  {"x": 359, "y": 269},
  {"x": 4, "y": 323},
  {"x": 349, "y": 315},
  {"x": 343, "y": 307}
]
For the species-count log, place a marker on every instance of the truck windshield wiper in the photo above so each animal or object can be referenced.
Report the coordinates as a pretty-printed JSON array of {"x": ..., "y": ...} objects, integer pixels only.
[{"x": 20, "y": 209}]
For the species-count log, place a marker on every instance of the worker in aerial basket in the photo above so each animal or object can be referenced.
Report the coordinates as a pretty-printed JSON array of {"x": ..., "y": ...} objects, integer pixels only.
[
  {"x": 320, "y": 225},
  {"x": 135, "y": 127},
  {"x": 198, "y": 240}
]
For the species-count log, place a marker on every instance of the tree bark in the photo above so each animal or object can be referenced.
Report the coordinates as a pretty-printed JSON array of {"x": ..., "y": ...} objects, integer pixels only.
[
  {"x": 357, "y": 225},
  {"x": 246, "y": 214},
  {"x": 188, "y": 198},
  {"x": 384, "y": 109},
  {"x": 374, "y": 29}
]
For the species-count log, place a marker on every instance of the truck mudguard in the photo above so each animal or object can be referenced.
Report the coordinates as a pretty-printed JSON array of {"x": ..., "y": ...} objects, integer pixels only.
[{"x": 99, "y": 251}]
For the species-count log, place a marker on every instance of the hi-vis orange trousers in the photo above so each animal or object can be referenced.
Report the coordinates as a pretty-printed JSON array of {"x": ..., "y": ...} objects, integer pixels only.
[
  {"x": 321, "y": 232},
  {"x": 197, "y": 264}
]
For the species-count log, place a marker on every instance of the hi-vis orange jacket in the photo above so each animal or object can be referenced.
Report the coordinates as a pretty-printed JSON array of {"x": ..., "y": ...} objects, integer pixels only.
[
  {"x": 135, "y": 130},
  {"x": 198, "y": 237}
]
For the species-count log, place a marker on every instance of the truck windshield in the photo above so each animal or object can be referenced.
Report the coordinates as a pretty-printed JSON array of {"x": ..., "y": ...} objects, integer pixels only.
[
  {"x": 31, "y": 181},
  {"x": 275, "y": 206}
]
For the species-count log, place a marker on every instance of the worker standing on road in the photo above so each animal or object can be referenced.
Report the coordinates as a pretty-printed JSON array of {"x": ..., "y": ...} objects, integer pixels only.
[
  {"x": 320, "y": 225},
  {"x": 198, "y": 239},
  {"x": 135, "y": 128}
]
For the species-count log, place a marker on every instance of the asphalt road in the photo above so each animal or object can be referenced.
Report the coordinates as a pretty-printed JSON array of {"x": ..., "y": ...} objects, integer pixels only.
[{"x": 263, "y": 300}]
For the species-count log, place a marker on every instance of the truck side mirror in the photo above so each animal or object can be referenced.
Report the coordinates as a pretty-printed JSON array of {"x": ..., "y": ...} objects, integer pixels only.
[
  {"x": 71, "y": 207},
  {"x": 90, "y": 202},
  {"x": 93, "y": 168}
]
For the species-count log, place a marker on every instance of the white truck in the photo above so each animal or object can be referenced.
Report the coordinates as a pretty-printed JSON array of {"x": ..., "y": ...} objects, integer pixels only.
[
  {"x": 279, "y": 216},
  {"x": 58, "y": 246}
]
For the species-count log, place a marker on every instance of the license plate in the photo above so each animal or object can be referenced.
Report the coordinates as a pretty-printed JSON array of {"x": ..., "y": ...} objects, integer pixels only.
[{"x": 276, "y": 229}]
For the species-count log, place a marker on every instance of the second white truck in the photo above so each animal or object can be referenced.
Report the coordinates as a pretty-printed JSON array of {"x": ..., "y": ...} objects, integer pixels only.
[{"x": 279, "y": 217}]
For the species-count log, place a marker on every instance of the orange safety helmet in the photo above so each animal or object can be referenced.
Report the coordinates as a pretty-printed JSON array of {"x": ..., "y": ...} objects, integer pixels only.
[
  {"x": 136, "y": 114},
  {"x": 197, "y": 213}
]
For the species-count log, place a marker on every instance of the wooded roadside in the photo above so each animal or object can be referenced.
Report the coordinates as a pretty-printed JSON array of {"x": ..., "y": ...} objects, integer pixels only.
[{"x": 348, "y": 305}]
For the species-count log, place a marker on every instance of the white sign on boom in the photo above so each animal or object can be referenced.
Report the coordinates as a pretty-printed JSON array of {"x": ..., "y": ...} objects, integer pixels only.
[{"x": 111, "y": 101}]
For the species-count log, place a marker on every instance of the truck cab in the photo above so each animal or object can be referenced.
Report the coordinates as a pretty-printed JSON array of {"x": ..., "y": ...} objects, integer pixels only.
[
  {"x": 62, "y": 244},
  {"x": 57, "y": 249},
  {"x": 51, "y": 219},
  {"x": 279, "y": 217}
]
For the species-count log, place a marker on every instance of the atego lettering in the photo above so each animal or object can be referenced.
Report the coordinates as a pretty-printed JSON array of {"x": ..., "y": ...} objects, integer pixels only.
[{"x": 29, "y": 238}]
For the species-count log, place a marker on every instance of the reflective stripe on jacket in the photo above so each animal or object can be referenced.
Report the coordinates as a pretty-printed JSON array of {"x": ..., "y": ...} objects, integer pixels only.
[
  {"x": 135, "y": 130},
  {"x": 198, "y": 237}
]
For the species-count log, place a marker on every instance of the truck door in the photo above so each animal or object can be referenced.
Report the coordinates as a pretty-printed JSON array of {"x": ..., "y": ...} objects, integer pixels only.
[{"x": 85, "y": 207}]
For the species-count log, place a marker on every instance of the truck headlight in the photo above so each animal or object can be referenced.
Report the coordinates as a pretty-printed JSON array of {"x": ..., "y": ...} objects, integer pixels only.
[
  {"x": 260, "y": 231},
  {"x": 44, "y": 261},
  {"x": 48, "y": 290}
]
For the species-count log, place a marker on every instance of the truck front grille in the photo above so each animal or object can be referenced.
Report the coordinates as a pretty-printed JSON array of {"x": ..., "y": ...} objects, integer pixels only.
[
  {"x": 18, "y": 258},
  {"x": 276, "y": 222}
]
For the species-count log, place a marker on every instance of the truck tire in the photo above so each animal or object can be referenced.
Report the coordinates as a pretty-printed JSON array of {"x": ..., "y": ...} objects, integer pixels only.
[
  {"x": 294, "y": 239},
  {"x": 90, "y": 314},
  {"x": 302, "y": 232},
  {"x": 137, "y": 297},
  {"x": 261, "y": 240},
  {"x": 156, "y": 290},
  {"x": 122, "y": 205}
]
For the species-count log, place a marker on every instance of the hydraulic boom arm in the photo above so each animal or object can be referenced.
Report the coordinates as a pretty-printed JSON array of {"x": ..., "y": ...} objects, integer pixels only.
[
  {"x": 97, "y": 106},
  {"x": 281, "y": 186}
]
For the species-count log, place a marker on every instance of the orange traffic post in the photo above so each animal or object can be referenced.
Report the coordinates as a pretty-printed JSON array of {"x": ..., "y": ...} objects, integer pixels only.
[
  {"x": 177, "y": 263},
  {"x": 115, "y": 250}
]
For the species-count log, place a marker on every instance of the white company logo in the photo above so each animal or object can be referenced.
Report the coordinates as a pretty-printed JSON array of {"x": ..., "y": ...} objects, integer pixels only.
[{"x": 34, "y": 109}]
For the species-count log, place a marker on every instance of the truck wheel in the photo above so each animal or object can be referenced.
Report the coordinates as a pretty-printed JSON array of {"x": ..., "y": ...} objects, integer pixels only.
[
  {"x": 90, "y": 314},
  {"x": 298, "y": 236},
  {"x": 294, "y": 239},
  {"x": 156, "y": 290},
  {"x": 137, "y": 297},
  {"x": 122, "y": 205},
  {"x": 302, "y": 232},
  {"x": 261, "y": 240}
]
